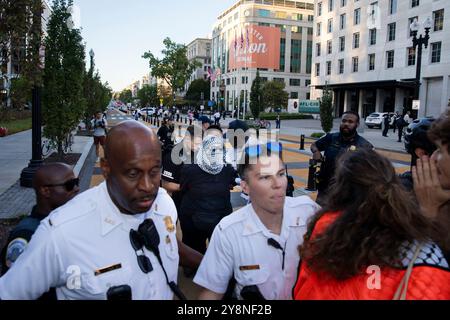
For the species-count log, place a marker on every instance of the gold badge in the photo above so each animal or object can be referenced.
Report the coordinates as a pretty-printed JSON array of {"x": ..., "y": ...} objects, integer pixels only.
[
  {"x": 169, "y": 224},
  {"x": 352, "y": 148}
]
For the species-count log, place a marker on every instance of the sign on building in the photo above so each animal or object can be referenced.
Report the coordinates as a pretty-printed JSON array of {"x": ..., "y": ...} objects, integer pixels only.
[
  {"x": 416, "y": 105},
  {"x": 309, "y": 106},
  {"x": 255, "y": 47}
]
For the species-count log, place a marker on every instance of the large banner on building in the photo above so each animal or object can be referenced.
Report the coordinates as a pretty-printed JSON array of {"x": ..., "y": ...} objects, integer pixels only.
[{"x": 256, "y": 47}]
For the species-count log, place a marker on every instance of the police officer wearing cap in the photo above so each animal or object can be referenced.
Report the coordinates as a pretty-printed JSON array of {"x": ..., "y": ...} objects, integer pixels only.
[
  {"x": 115, "y": 241},
  {"x": 257, "y": 245},
  {"x": 417, "y": 145}
]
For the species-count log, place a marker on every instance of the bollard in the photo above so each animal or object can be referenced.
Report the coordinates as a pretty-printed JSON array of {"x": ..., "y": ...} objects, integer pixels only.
[
  {"x": 185, "y": 120},
  {"x": 158, "y": 123},
  {"x": 302, "y": 142},
  {"x": 312, "y": 175}
]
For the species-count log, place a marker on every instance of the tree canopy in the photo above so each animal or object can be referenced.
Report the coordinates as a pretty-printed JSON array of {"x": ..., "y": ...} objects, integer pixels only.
[
  {"x": 274, "y": 95},
  {"x": 196, "y": 88},
  {"x": 63, "y": 101},
  {"x": 174, "y": 67},
  {"x": 255, "y": 96}
]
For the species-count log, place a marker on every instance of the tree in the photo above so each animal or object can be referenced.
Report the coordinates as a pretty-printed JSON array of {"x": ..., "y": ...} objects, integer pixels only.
[
  {"x": 126, "y": 96},
  {"x": 326, "y": 110},
  {"x": 63, "y": 102},
  {"x": 196, "y": 88},
  {"x": 174, "y": 67},
  {"x": 255, "y": 96},
  {"x": 165, "y": 94},
  {"x": 148, "y": 95},
  {"x": 273, "y": 95},
  {"x": 20, "y": 42},
  {"x": 97, "y": 94}
]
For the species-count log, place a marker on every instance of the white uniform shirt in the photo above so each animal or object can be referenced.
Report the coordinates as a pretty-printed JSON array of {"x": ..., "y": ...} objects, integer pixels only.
[
  {"x": 239, "y": 247},
  {"x": 88, "y": 234}
]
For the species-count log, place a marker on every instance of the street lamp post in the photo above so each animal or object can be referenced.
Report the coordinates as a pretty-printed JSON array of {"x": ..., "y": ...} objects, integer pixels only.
[
  {"x": 419, "y": 42},
  {"x": 26, "y": 177}
]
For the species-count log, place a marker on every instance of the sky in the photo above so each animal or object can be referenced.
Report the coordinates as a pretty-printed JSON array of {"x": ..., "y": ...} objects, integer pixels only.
[{"x": 120, "y": 31}]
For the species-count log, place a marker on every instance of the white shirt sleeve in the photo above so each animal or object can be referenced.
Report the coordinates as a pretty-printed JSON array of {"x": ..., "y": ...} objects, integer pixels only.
[
  {"x": 216, "y": 268},
  {"x": 37, "y": 269}
]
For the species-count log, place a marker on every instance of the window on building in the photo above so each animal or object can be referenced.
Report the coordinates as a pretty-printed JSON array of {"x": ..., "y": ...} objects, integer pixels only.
[
  {"x": 357, "y": 16},
  {"x": 411, "y": 20},
  {"x": 296, "y": 52},
  {"x": 341, "y": 44},
  {"x": 330, "y": 26},
  {"x": 411, "y": 52},
  {"x": 310, "y": 31},
  {"x": 264, "y": 13},
  {"x": 341, "y": 66},
  {"x": 436, "y": 52},
  {"x": 318, "y": 29},
  {"x": 343, "y": 3},
  {"x": 307, "y": 83},
  {"x": 297, "y": 16},
  {"x": 228, "y": 81},
  {"x": 372, "y": 37},
  {"x": 310, "y": 18},
  {"x": 309, "y": 47},
  {"x": 294, "y": 82},
  {"x": 342, "y": 21},
  {"x": 414, "y": 3},
  {"x": 281, "y": 80},
  {"x": 308, "y": 96},
  {"x": 282, "y": 54},
  {"x": 356, "y": 37},
  {"x": 391, "y": 32},
  {"x": 355, "y": 64},
  {"x": 371, "y": 60},
  {"x": 264, "y": 79},
  {"x": 330, "y": 5},
  {"x": 296, "y": 29},
  {"x": 294, "y": 95},
  {"x": 328, "y": 68},
  {"x": 389, "y": 59},
  {"x": 329, "y": 46},
  {"x": 317, "y": 69},
  {"x": 438, "y": 18},
  {"x": 280, "y": 15},
  {"x": 318, "y": 49},
  {"x": 319, "y": 9},
  {"x": 392, "y": 6}
]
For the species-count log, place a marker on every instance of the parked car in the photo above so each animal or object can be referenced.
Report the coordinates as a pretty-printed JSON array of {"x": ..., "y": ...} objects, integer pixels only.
[
  {"x": 143, "y": 111},
  {"x": 375, "y": 120}
]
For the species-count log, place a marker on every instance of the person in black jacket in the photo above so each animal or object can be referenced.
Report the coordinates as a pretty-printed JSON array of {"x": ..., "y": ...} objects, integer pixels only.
[
  {"x": 54, "y": 184},
  {"x": 205, "y": 187}
]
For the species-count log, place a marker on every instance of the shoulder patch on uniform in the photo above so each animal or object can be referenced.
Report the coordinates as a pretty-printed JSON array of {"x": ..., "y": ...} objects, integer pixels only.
[
  {"x": 74, "y": 209},
  {"x": 14, "y": 250},
  {"x": 232, "y": 219}
]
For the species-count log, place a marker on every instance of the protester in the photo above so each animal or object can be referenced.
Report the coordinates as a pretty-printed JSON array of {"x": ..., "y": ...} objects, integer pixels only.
[
  {"x": 369, "y": 233},
  {"x": 99, "y": 125}
]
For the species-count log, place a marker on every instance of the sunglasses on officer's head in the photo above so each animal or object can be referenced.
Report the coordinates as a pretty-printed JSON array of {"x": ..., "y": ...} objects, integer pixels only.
[
  {"x": 257, "y": 150},
  {"x": 69, "y": 185},
  {"x": 138, "y": 245}
]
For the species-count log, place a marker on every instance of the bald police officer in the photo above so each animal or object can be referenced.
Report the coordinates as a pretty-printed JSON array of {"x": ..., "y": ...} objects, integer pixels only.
[
  {"x": 114, "y": 241},
  {"x": 258, "y": 244}
]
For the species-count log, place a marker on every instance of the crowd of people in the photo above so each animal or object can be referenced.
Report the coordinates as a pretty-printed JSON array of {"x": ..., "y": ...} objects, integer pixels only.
[{"x": 371, "y": 234}]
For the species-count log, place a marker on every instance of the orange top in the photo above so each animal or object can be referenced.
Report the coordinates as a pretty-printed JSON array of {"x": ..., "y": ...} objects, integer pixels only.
[{"x": 430, "y": 278}]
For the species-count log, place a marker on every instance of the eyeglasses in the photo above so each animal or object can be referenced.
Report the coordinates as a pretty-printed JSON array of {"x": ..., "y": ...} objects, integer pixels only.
[
  {"x": 69, "y": 185},
  {"x": 138, "y": 245},
  {"x": 257, "y": 150}
]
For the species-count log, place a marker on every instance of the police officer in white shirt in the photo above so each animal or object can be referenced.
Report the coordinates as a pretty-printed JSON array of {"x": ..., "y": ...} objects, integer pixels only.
[
  {"x": 115, "y": 241},
  {"x": 258, "y": 244}
]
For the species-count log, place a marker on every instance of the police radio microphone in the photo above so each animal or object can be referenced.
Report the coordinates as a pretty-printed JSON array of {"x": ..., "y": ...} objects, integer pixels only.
[{"x": 150, "y": 236}]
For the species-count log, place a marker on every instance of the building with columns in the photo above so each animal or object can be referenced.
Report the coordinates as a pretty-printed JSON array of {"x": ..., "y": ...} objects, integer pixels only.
[
  {"x": 272, "y": 36},
  {"x": 363, "y": 52}
]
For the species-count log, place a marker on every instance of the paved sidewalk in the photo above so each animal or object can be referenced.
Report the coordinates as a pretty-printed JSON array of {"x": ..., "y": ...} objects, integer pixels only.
[{"x": 16, "y": 201}]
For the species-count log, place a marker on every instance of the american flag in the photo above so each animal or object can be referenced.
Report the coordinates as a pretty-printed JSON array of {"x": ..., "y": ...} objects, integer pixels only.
[
  {"x": 242, "y": 40},
  {"x": 248, "y": 39}
]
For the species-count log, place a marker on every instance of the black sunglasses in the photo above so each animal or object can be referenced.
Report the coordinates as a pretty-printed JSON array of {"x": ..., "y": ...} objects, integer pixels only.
[
  {"x": 138, "y": 245},
  {"x": 69, "y": 185}
]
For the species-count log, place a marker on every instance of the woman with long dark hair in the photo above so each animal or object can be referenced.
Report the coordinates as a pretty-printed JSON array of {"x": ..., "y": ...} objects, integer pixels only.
[{"x": 370, "y": 240}]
